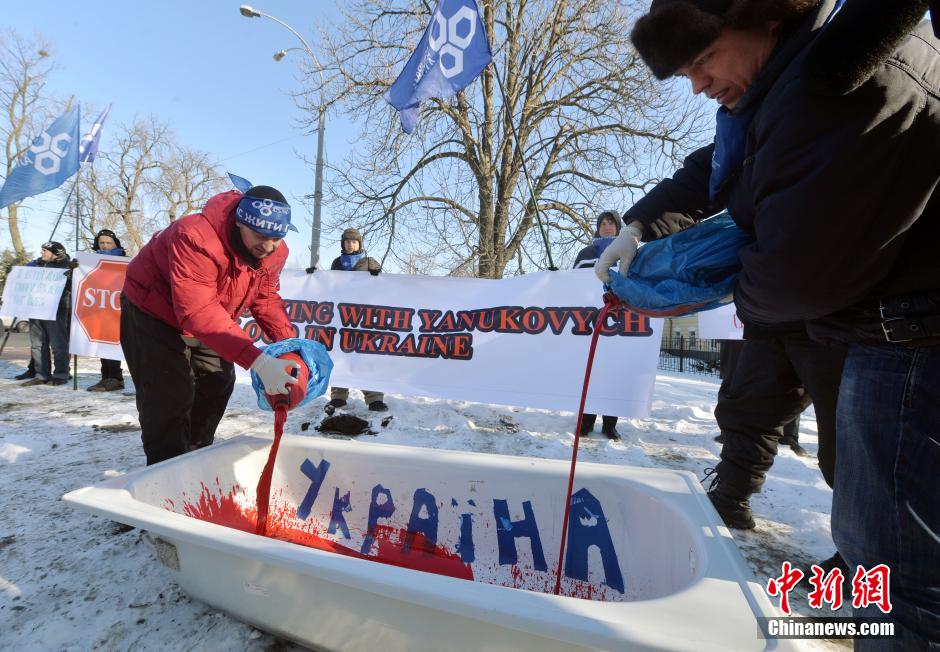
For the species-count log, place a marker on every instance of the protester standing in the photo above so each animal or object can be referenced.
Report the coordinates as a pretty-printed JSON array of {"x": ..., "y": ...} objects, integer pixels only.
[
  {"x": 112, "y": 377},
  {"x": 353, "y": 258},
  {"x": 183, "y": 295},
  {"x": 606, "y": 229},
  {"x": 45, "y": 334}
]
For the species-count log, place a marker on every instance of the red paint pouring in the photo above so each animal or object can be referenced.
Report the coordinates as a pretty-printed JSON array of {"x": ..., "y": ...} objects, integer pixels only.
[
  {"x": 264, "y": 483},
  {"x": 281, "y": 403}
]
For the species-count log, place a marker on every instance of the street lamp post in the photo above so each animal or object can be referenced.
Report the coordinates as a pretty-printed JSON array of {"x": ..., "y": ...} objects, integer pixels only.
[{"x": 250, "y": 12}]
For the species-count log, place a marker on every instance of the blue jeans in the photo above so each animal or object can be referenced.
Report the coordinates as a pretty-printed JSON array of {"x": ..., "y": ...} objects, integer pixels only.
[
  {"x": 886, "y": 499},
  {"x": 44, "y": 334}
]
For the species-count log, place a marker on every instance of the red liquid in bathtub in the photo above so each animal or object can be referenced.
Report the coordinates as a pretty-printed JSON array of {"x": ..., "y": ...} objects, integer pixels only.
[{"x": 393, "y": 546}]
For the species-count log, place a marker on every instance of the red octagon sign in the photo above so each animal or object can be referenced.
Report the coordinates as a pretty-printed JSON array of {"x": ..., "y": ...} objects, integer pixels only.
[{"x": 98, "y": 302}]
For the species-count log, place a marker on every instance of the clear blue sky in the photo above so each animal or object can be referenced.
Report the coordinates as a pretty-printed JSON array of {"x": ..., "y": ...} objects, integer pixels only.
[{"x": 203, "y": 68}]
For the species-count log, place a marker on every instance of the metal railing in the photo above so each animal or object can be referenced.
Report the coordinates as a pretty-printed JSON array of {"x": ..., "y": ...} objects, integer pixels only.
[{"x": 690, "y": 355}]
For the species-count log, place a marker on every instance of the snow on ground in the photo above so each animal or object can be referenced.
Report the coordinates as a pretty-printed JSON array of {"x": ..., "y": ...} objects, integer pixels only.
[{"x": 71, "y": 581}]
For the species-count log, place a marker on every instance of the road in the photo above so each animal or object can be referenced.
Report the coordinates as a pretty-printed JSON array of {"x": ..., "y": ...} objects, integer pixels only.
[{"x": 17, "y": 346}]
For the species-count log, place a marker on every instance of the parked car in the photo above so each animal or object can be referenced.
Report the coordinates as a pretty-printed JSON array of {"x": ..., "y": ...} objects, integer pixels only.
[{"x": 6, "y": 323}]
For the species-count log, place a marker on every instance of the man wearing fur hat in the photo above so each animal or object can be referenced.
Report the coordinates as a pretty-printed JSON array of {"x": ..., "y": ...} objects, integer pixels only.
[
  {"x": 353, "y": 258},
  {"x": 45, "y": 334},
  {"x": 182, "y": 297},
  {"x": 826, "y": 152}
]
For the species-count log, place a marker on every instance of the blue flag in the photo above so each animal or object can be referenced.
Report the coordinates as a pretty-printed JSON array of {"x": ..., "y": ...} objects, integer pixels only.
[
  {"x": 49, "y": 161},
  {"x": 450, "y": 55},
  {"x": 89, "y": 145}
]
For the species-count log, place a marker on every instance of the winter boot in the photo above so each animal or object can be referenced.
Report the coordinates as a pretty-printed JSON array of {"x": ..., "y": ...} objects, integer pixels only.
[
  {"x": 334, "y": 404},
  {"x": 58, "y": 381},
  {"x": 107, "y": 385},
  {"x": 794, "y": 445},
  {"x": 611, "y": 433},
  {"x": 734, "y": 509},
  {"x": 378, "y": 406},
  {"x": 34, "y": 381},
  {"x": 26, "y": 375},
  {"x": 836, "y": 561}
]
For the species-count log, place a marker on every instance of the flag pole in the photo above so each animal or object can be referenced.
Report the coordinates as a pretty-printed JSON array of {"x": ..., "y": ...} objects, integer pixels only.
[
  {"x": 525, "y": 169},
  {"x": 78, "y": 221},
  {"x": 64, "y": 206}
]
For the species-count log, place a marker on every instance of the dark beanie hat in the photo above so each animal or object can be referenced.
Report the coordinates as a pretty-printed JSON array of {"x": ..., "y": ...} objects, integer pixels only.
[
  {"x": 607, "y": 215},
  {"x": 57, "y": 248},
  {"x": 266, "y": 192},
  {"x": 675, "y": 31},
  {"x": 110, "y": 234}
]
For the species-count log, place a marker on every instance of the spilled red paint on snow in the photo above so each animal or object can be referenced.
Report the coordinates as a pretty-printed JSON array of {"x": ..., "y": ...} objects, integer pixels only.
[{"x": 223, "y": 509}]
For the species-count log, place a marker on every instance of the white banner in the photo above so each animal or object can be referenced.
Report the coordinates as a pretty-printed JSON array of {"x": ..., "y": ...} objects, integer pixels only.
[
  {"x": 33, "y": 292},
  {"x": 96, "y": 306},
  {"x": 516, "y": 341},
  {"x": 720, "y": 324}
]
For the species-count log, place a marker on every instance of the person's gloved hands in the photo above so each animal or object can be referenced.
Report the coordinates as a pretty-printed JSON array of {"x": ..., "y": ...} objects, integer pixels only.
[
  {"x": 274, "y": 373},
  {"x": 73, "y": 263},
  {"x": 623, "y": 248},
  {"x": 375, "y": 270},
  {"x": 310, "y": 270}
]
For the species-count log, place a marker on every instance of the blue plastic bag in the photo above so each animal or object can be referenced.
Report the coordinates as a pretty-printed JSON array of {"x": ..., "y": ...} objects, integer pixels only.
[
  {"x": 691, "y": 271},
  {"x": 313, "y": 353}
]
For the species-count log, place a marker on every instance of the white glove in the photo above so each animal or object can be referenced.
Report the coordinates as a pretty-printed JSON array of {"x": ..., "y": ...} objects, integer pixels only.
[
  {"x": 274, "y": 373},
  {"x": 623, "y": 248}
]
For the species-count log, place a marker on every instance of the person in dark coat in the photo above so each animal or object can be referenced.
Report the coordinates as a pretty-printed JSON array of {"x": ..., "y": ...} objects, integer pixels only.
[
  {"x": 606, "y": 229},
  {"x": 45, "y": 334},
  {"x": 353, "y": 258},
  {"x": 112, "y": 377},
  {"x": 826, "y": 152}
]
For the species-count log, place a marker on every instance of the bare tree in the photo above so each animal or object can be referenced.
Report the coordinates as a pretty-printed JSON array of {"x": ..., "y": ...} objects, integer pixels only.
[
  {"x": 187, "y": 179},
  {"x": 24, "y": 67},
  {"x": 592, "y": 127},
  {"x": 127, "y": 172}
]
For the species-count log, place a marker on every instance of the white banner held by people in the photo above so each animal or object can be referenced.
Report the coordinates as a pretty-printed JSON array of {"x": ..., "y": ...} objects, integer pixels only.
[
  {"x": 516, "y": 341},
  {"x": 33, "y": 292},
  {"x": 96, "y": 306},
  {"x": 720, "y": 324}
]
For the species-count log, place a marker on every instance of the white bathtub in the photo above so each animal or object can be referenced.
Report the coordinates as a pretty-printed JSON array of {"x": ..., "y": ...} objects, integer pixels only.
[{"x": 652, "y": 567}]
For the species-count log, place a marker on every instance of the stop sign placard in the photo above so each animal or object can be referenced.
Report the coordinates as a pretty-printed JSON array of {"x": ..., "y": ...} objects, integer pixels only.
[{"x": 98, "y": 302}]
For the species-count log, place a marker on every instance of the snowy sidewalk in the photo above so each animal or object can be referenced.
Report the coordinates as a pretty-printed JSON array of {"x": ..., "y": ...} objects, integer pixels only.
[{"x": 70, "y": 581}]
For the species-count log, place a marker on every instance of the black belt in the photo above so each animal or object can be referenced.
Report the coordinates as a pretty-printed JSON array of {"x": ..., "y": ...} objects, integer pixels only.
[{"x": 908, "y": 318}]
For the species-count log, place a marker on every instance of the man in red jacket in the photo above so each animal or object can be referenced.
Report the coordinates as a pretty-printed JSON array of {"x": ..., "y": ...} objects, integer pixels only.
[{"x": 182, "y": 297}]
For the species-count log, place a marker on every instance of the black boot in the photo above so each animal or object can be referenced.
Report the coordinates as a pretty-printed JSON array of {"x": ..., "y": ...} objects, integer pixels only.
[
  {"x": 733, "y": 508},
  {"x": 609, "y": 428},
  {"x": 836, "y": 561},
  {"x": 26, "y": 375},
  {"x": 794, "y": 445}
]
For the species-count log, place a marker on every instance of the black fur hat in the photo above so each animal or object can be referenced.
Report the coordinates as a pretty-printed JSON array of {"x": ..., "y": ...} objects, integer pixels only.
[{"x": 675, "y": 31}]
